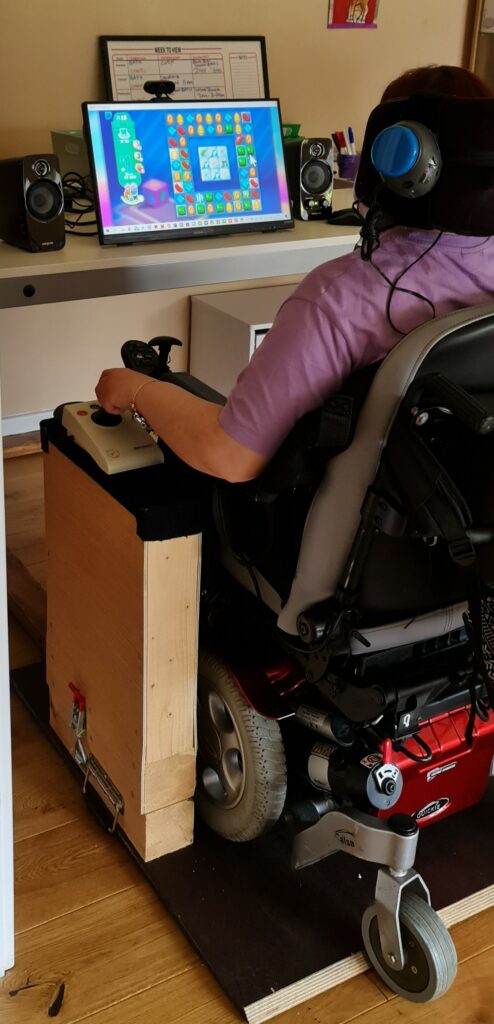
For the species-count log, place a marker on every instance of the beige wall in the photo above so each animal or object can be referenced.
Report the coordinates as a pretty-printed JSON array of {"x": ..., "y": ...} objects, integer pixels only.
[{"x": 49, "y": 56}]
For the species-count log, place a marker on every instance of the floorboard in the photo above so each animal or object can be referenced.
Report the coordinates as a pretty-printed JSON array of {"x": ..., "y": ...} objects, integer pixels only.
[
  {"x": 107, "y": 952},
  {"x": 66, "y": 869}
]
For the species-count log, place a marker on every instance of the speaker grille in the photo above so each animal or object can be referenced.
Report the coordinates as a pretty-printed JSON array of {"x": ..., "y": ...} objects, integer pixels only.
[
  {"x": 44, "y": 200},
  {"x": 316, "y": 177}
]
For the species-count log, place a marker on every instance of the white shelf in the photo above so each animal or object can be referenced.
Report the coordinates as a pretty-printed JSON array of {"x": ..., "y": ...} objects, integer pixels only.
[{"x": 84, "y": 269}]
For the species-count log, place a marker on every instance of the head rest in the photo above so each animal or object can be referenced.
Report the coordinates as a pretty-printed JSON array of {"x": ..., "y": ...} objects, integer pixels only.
[{"x": 429, "y": 162}]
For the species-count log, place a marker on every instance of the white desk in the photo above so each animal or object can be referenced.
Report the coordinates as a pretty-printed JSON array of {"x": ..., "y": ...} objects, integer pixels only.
[
  {"x": 85, "y": 270},
  {"x": 64, "y": 315}
]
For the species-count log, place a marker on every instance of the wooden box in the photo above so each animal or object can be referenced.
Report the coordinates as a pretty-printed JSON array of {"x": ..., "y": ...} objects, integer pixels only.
[{"x": 122, "y": 628}]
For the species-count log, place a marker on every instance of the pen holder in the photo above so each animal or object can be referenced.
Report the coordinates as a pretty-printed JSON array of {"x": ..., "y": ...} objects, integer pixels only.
[{"x": 348, "y": 165}]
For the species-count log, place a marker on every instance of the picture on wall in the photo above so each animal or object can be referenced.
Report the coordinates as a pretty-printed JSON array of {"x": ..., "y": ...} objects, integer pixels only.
[
  {"x": 353, "y": 13},
  {"x": 487, "y": 23}
]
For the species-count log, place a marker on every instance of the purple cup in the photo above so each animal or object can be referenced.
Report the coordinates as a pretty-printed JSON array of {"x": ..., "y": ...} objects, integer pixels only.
[{"x": 348, "y": 165}]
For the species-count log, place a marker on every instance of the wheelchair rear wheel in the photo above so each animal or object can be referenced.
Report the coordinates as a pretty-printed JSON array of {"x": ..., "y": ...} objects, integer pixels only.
[
  {"x": 430, "y": 955},
  {"x": 241, "y": 787}
]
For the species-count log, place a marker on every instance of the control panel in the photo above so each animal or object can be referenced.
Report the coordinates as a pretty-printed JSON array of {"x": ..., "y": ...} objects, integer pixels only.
[{"x": 116, "y": 443}]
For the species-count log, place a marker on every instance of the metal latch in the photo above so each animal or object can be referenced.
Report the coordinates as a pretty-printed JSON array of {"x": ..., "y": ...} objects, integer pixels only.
[
  {"x": 78, "y": 714},
  {"x": 88, "y": 762}
]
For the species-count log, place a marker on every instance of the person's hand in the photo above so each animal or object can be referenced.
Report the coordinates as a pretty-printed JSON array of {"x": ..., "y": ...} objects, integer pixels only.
[{"x": 116, "y": 388}]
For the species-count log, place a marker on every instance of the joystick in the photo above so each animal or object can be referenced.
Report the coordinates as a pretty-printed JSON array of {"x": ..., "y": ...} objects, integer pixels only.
[
  {"x": 106, "y": 419},
  {"x": 116, "y": 443},
  {"x": 143, "y": 357}
]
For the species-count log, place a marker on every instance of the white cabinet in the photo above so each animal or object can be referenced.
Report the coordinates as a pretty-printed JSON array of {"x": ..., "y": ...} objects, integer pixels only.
[
  {"x": 226, "y": 329},
  {"x": 6, "y": 839}
]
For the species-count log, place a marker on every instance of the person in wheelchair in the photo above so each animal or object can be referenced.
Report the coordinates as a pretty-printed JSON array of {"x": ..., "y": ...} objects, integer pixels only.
[
  {"x": 347, "y": 630},
  {"x": 345, "y": 314}
]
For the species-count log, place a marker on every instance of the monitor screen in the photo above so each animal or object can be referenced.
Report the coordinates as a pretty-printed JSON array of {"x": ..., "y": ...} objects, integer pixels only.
[{"x": 172, "y": 170}]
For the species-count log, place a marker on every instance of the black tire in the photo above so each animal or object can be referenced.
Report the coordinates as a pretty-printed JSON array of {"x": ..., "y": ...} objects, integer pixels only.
[
  {"x": 241, "y": 789},
  {"x": 430, "y": 956}
]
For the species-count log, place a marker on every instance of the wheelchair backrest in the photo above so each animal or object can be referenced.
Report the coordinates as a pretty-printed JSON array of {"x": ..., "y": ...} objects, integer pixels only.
[{"x": 461, "y": 346}]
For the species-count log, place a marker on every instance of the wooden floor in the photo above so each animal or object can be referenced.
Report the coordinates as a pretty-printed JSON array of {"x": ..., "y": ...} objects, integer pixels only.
[{"x": 95, "y": 942}]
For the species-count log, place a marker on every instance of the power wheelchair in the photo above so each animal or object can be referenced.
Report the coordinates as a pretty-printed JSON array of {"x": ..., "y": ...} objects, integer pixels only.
[{"x": 344, "y": 683}]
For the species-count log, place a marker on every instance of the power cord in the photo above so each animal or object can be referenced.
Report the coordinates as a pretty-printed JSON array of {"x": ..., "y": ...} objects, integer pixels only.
[{"x": 78, "y": 203}]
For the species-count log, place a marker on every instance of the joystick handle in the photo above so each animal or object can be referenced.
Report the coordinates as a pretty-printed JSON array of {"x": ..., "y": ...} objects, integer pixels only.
[
  {"x": 143, "y": 357},
  {"x": 164, "y": 344},
  {"x": 106, "y": 419}
]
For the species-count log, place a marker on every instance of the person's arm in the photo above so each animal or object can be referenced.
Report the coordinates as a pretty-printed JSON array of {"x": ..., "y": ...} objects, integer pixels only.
[{"x": 187, "y": 424}]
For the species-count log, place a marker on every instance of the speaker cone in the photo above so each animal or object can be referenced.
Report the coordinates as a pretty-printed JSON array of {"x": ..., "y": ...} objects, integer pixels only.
[
  {"x": 316, "y": 177},
  {"x": 44, "y": 200}
]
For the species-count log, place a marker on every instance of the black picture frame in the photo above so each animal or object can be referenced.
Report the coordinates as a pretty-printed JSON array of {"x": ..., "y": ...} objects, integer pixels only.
[{"x": 170, "y": 41}]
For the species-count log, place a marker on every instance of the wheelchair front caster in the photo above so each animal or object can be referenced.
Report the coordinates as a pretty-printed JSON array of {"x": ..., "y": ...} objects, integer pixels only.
[{"x": 429, "y": 953}]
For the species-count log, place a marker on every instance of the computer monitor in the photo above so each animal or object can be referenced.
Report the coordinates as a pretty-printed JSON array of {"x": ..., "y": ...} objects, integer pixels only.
[{"x": 173, "y": 170}]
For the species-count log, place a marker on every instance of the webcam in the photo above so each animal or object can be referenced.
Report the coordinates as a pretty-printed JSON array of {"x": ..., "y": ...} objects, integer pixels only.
[{"x": 160, "y": 91}]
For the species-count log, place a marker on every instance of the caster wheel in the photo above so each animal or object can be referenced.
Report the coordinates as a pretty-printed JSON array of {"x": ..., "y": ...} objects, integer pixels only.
[
  {"x": 430, "y": 956},
  {"x": 241, "y": 777}
]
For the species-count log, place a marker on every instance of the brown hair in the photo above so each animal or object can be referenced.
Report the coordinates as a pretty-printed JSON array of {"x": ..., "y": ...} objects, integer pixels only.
[{"x": 443, "y": 79}]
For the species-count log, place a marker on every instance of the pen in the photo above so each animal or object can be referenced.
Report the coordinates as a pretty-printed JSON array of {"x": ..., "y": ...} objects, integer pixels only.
[{"x": 351, "y": 140}]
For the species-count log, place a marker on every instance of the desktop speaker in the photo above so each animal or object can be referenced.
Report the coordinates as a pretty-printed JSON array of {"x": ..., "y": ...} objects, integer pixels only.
[
  {"x": 309, "y": 165},
  {"x": 32, "y": 209}
]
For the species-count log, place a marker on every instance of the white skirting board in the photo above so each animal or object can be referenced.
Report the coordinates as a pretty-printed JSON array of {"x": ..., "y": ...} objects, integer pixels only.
[{"x": 24, "y": 424}]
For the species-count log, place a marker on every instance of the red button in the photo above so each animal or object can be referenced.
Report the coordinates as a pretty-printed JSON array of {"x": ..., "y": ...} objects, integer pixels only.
[{"x": 81, "y": 412}]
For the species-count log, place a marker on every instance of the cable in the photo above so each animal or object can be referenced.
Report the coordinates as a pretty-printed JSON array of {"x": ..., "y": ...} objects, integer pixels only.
[
  {"x": 371, "y": 241},
  {"x": 79, "y": 202},
  {"x": 405, "y": 291}
]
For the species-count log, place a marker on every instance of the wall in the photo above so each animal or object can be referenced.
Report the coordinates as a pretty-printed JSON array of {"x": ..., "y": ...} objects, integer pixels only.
[
  {"x": 49, "y": 56},
  {"x": 49, "y": 64}
]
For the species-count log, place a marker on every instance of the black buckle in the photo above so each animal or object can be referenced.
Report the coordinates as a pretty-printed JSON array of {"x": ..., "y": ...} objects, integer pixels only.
[{"x": 462, "y": 551}]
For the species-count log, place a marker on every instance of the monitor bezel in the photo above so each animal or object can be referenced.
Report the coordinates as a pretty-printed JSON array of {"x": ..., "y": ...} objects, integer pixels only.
[{"x": 216, "y": 230}]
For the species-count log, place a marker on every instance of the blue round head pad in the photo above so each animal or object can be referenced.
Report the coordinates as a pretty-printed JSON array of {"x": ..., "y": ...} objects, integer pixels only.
[{"x": 395, "y": 151}]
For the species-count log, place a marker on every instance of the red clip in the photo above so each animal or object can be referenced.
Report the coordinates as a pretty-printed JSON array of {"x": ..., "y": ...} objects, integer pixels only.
[
  {"x": 79, "y": 697},
  {"x": 387, "y": 752}
]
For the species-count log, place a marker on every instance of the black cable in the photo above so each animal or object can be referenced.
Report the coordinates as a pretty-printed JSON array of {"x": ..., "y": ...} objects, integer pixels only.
[
  {"x": 405, "y": 291},
  {"x": 370, "y": 243},
  {"x": 79, "y": 202}
]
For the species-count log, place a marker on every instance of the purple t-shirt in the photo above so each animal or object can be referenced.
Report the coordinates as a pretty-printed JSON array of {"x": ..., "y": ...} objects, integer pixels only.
[{"x": 335, "y": 321}]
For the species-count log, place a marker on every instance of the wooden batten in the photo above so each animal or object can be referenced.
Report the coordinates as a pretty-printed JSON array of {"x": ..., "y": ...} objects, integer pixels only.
[
  {"x": 25, "y": 533},
  {"x": 122, "y": 626},
  {"x": 170, "y": 666}
]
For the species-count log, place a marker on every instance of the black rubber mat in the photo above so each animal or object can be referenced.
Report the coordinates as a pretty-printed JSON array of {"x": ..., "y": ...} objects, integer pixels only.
[{"x": 262, "y": 927}]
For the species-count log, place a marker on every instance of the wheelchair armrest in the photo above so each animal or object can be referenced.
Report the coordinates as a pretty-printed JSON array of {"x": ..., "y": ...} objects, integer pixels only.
[
  {"x": 193, "y": 385},
  {"x": 302, "y": 458},
  {"x": 152, "y": 358}
]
